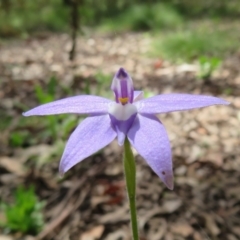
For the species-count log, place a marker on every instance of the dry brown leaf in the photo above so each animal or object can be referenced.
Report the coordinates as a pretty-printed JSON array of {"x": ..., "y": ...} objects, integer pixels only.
[
  {"x": 182, "y": 228},
  {"x": 92, "y": 234},
  {"x": 169, "y": 236},
  {"x": 197, "y": 236},
  {"x": 211, "y": 224},
  {"x": 213, "y": 157},
  {"x": 96, "y": 200},
  {"x": 231, "y": 237},
  {"x": 119, "y": 234},
  {"x": 158, "y": 228},
  {"x": 3, "y": 237},
  {"x": 12, "y": 165},
  {"x": 170, "y": 206},
  {"x": 121, "y": 213},
  {"x": 43, "y": 151},
  {"x": 236, "y": 230}
]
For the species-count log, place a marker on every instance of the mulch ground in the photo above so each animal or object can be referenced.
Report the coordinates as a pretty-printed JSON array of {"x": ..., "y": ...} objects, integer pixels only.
[{"x": 90, "y": 202}]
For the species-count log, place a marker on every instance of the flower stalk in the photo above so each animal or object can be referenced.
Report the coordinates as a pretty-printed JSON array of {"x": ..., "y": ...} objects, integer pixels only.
[{"x": 130, "y": 176}]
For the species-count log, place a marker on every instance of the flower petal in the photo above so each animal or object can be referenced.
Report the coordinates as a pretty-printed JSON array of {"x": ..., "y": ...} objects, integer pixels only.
[
  {"x": 84, "y": 104},
  {"x": 176, "y": 102},
  {"x": 91, "y": 135},
  {"x": 148, "y": 136},
  {"x": 138, "y": 95}
]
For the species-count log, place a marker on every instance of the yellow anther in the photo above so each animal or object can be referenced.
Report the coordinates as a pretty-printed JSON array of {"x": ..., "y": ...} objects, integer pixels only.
[{"x": 123, "y": 100}]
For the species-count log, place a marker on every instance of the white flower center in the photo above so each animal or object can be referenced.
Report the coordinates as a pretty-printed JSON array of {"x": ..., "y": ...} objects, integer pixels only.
[{"x": 122, "y": 112}]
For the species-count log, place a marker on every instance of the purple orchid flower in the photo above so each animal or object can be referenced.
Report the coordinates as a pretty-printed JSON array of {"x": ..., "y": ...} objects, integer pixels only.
[{"x": 128, "y": 116}]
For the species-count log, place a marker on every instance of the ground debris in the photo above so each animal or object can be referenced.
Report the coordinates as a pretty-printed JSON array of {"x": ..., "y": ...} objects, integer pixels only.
[{"x": 90, "y": 201}]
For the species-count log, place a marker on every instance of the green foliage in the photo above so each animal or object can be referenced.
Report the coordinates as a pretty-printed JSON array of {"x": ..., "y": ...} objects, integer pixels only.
[
  {"x": 69, "y": 123},
  {"x": 228, "y": 91},
  {"x": 149, "y": 93},
  {"x": 24, "y": 16},
  {"x": 207, "y": 66},
  {"x": 146, "y": 17},
  {"x": 18, "y": 138},
  {"x": 45, "y": 97},
  {"x": 5, "y": 121},
  {"x": 201, "y": 8},
  {"x": 199, "y": 39},
  {"x": 21, "y": 134},
  {"x": 103, "y": 79},
  {"x": 21, "y": 17},
  {"x": 103, "y": 82},
  {"x": 53, "y": 123},
  {"x": 25, "y": 214}
]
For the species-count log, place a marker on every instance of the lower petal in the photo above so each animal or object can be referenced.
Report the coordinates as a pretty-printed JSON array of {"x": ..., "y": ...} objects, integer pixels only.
[
  {"x": 149, "y": 137},
  {"x": 91, "y": 135}
]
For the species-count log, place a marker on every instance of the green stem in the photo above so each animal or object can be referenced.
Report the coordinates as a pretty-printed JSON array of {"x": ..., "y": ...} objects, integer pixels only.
[{"x": 130, "y": 176}]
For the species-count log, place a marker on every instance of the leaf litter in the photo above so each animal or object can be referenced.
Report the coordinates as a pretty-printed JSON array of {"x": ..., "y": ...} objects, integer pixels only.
[{"x": 90, "y": 201}]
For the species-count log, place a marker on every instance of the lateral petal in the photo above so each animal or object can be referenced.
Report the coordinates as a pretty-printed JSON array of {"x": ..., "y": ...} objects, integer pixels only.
[
  {"x": 148, "y": 136},
  {"x": 83, "y": 104},
  {"x": 91, "y": 135},
  {"x": 176, "y": 102}
]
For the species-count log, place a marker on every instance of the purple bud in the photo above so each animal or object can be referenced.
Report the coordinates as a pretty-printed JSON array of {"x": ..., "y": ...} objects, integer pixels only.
[{"x": 122, "y": 86}]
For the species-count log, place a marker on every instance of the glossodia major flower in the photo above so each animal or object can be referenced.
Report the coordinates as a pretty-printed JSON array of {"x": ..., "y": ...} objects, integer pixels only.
[{"x": 128, "y": 116}]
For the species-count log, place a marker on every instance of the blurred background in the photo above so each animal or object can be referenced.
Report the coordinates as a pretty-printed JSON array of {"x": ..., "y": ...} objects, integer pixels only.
[{"x": 58, "y": 48}]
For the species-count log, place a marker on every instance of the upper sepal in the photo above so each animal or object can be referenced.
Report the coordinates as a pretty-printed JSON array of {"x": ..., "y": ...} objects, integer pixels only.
[{"x": 122, "y": 86}]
